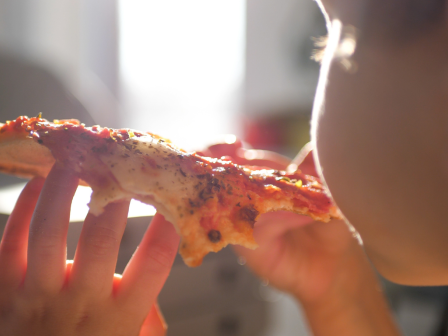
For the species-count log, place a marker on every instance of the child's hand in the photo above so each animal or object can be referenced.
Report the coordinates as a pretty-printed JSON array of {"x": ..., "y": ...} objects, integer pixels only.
[
  {"x": 42, "y": 294},
  {"x": 296, "y": 254},
  {"x": 321, "y": 264}
]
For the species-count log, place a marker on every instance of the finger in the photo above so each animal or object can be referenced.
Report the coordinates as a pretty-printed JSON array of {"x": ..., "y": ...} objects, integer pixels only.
[
  {"x": 227, "y": 146},
  {"x": 272, "y": 225},
  {"x": 254, "y": 157},
  {"x": 48, "y": 231},
  {"x": 269, "y": 233},
  {"x": 13, "y": 247},
  {"x": 262, "y": 158},
  {"x": 304, "y": 160},
  {"x": 97, "y": 250},
  {"x": 150, "y": 265},
  {"x": 154, "y": 324}
]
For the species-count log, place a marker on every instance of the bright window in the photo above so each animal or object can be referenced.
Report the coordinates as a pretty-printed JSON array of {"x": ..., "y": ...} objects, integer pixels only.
[{"x": 182, "y": 67}]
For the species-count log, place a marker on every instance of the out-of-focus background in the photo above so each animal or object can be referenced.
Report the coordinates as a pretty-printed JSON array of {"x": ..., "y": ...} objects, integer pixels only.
[{"x": 190, "y": 70}]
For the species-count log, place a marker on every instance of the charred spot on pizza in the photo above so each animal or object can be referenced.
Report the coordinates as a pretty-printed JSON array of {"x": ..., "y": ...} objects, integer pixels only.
[
  {"x": 249, "y": 214},
  {"x": 214, "y": 236},
  {"x": 212, "y": 187},
  {"x": 194, "y": 204},
  {"x": 203, "y": 196}
]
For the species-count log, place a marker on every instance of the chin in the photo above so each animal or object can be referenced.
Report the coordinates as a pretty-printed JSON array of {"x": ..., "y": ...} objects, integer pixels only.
[{"x": 411, "y": 274}]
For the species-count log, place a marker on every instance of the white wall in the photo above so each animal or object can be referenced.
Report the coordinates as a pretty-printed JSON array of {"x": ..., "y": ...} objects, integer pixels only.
[
  {"x": 279, "y": 72},
  {"x": 75, "y": 40}
]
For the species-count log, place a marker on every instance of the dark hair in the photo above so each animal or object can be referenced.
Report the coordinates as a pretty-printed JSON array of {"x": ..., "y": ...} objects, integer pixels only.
[{"x": 403, "y": 19}]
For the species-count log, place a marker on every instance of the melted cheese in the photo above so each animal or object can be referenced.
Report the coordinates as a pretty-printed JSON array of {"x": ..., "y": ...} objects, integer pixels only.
[{"x": 211, "y": 202}]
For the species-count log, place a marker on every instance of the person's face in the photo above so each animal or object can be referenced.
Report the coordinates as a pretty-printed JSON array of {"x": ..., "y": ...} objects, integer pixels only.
[{"x": 380, "y": 124}]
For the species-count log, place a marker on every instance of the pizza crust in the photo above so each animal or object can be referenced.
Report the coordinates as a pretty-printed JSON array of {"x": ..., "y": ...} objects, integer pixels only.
[
  {"x": 211, "y": 202},
  {"x": 31, "y": 160}
]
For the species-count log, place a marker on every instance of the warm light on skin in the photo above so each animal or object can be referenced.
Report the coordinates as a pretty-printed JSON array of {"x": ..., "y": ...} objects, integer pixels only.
[
  {"x": 230, "y": 139},
  {"x": 381, "y": 142}
]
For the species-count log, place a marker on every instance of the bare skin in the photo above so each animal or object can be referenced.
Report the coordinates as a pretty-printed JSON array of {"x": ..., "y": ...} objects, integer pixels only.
[
  {"x": 321, "y": 264},
  {"x": 43, "y": 294},
  {"x": 381, "y": 137}
]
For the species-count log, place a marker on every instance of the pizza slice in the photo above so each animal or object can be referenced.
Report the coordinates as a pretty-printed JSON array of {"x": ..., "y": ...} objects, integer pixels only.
[{"x": 211, "y": 202}]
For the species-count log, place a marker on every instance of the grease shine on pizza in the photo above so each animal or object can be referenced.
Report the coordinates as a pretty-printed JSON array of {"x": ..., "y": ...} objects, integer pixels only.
[{"x": 211, "y": 202}]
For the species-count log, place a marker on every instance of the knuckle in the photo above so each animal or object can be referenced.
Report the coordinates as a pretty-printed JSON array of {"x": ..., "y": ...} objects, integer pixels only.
[
  {"x": 102, "y": 240},
  {"x": 45, "y": 241},
  {"x": 47, "y": 249},
  {"x": 31, "y": 311},
  {"x": 38, "y": 314},
  {"x": 160, "y": 256},
  {"x": 82, "y": 320}
]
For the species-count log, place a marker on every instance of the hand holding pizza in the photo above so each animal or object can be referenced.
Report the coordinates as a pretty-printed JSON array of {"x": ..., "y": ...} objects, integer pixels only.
[
  {"x": 321, "y": 264},
  {"x": 43, "y": 294}
]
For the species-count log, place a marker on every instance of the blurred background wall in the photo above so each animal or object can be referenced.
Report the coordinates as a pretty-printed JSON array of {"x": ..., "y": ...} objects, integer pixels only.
[
  {"x": 73, "y": 41},
  {"x": 280, "y": 76},
  {"x": 214, "y": 66},
  {"x": 182, "y": 67},
  {"x": 190, "y": 71}
]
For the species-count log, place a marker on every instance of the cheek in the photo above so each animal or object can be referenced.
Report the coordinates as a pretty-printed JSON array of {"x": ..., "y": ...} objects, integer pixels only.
[
  {"x": 379, "y": 141},
  {"x": 349, "y": 155}
]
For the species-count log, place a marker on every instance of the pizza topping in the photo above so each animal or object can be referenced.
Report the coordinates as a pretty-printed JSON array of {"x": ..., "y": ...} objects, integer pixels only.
[
  {"x": 214, "y": 236},
  {"x": 212, "y": 202},
  {"x": 249, "y": 214},
  {"x": 213, "y": 187}
]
